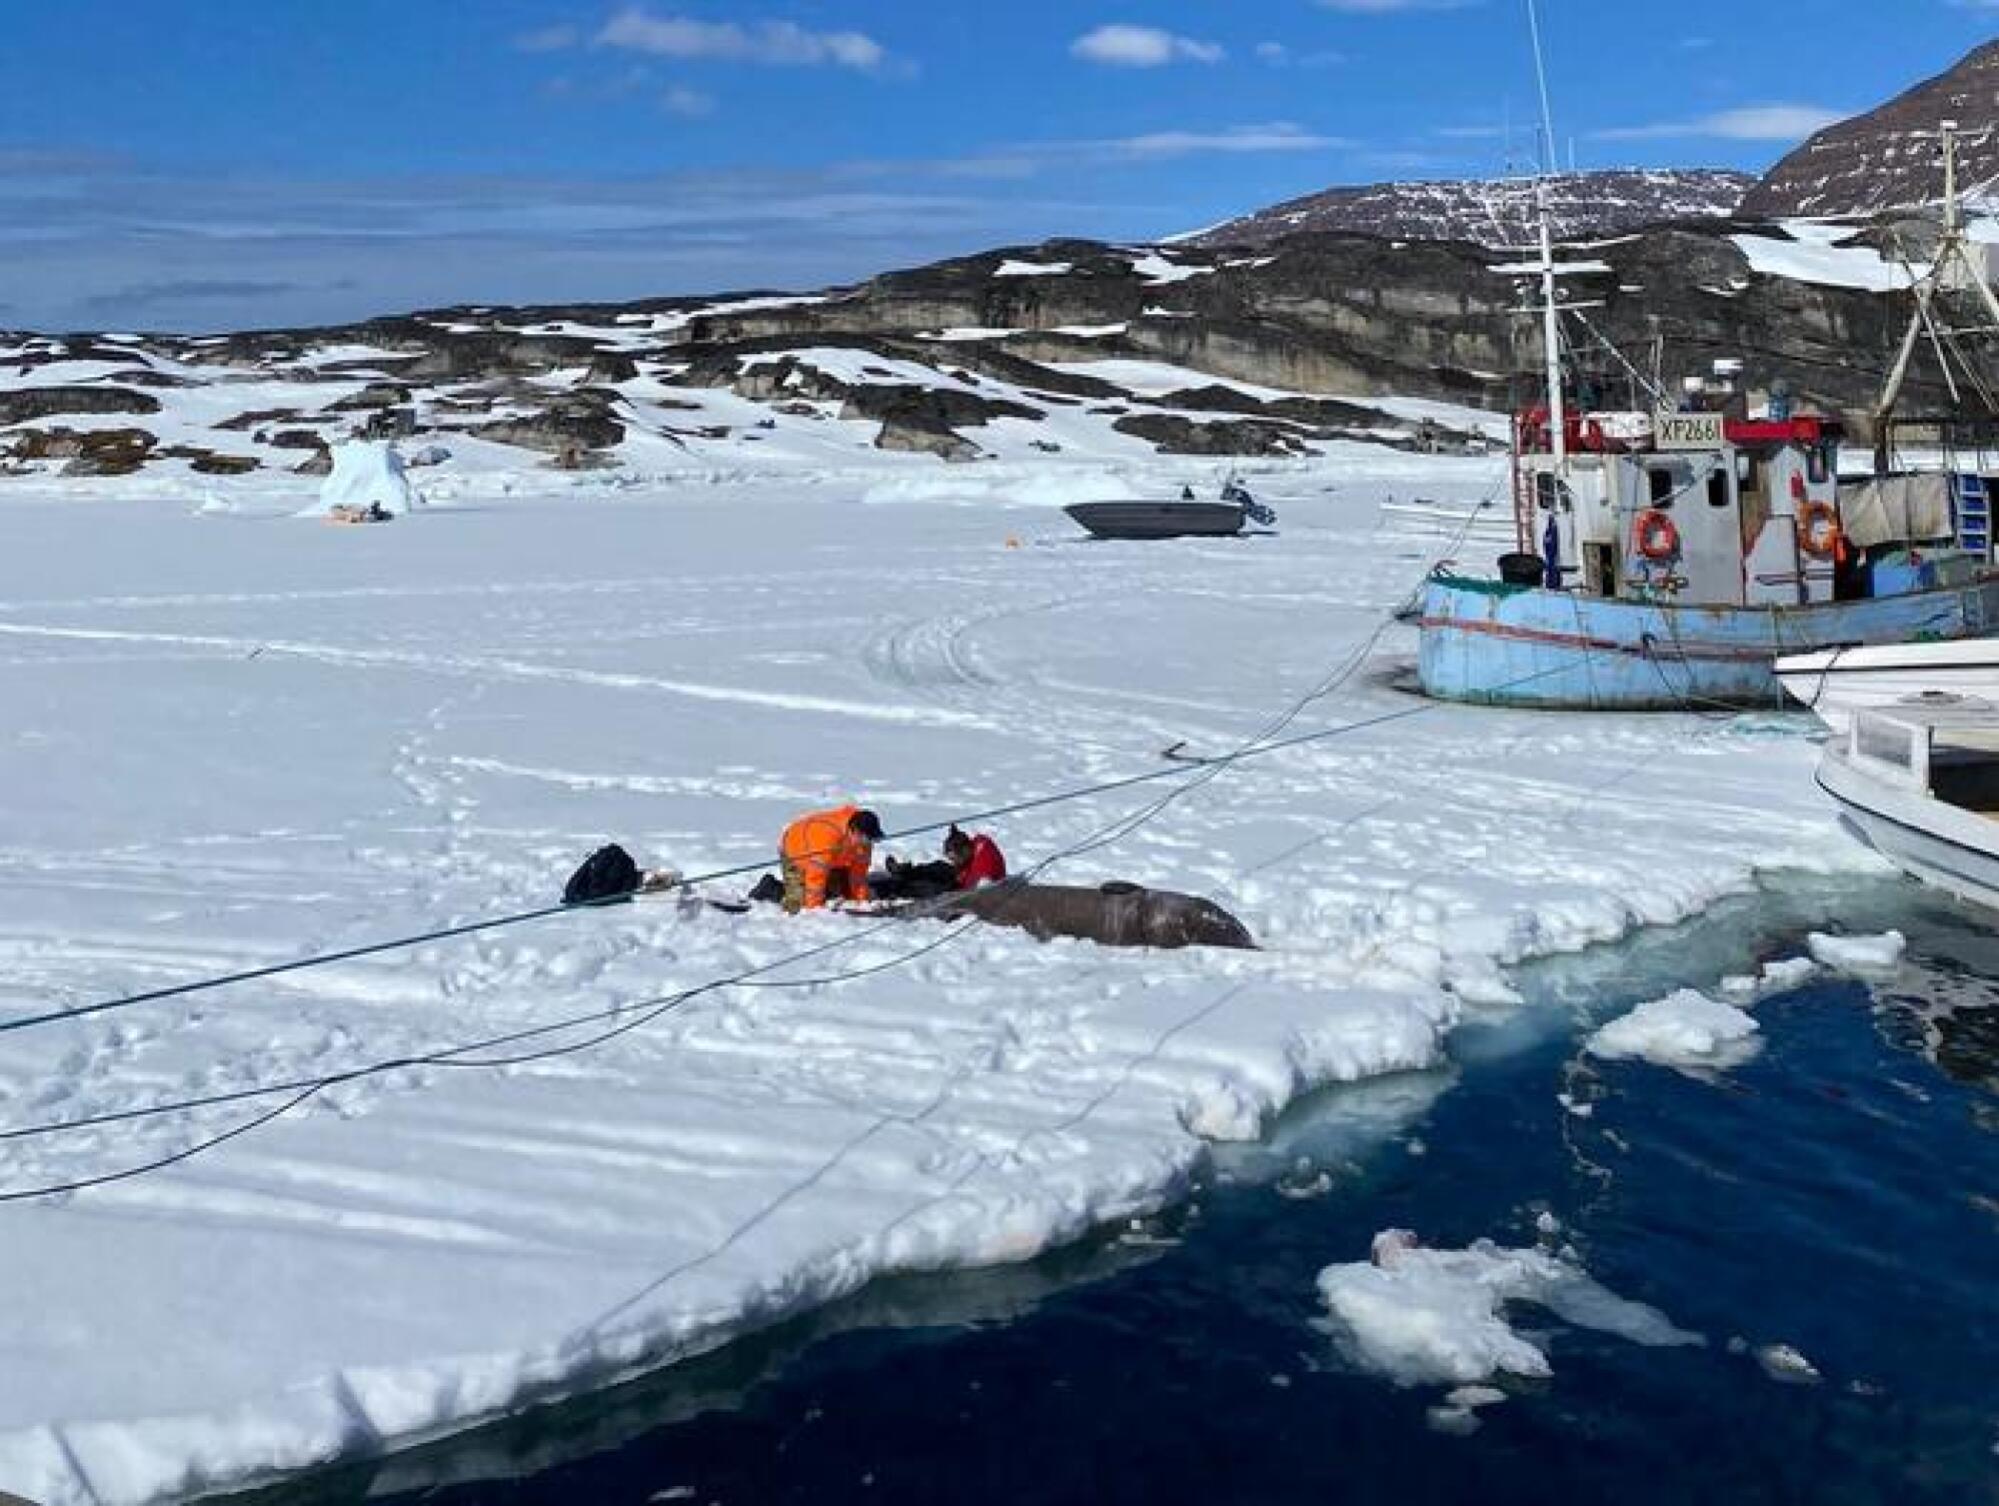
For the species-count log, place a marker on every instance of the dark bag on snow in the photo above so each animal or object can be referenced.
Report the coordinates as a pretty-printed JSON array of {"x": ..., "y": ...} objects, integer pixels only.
[{"x": 608, "y": 873}]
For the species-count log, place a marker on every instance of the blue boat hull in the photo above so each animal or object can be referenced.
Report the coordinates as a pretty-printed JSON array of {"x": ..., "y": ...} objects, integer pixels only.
[{"x": 1494, "y": 644}]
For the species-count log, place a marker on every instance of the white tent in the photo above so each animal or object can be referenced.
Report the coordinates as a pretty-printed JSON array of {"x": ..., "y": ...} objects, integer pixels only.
[{"x": 365, "y": 473}]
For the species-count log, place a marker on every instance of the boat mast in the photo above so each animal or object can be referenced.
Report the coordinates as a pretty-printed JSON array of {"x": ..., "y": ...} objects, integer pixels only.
[
  {"x": 1551, "y": 328},
  {"x": 1952, "y": 260}
]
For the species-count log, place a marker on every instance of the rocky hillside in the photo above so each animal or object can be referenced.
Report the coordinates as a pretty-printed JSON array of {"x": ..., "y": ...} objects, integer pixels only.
[
  {"x": 1500, "y": 213},
  {"x": 1067, "y": 347},
  {"x": 1880, "y": 160}
]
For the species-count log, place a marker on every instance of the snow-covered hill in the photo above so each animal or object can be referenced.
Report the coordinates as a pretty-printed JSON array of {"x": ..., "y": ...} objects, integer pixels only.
[
  {"x": 688, "y": 386},
  {"x": 1887, "y": 158},
  {"x": 1070, "y": 349},
  {"x": 1498, "y": 213}
]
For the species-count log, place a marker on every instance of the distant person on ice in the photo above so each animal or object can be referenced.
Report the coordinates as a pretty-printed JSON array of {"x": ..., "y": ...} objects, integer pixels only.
[{"x": 825, "y": 855}]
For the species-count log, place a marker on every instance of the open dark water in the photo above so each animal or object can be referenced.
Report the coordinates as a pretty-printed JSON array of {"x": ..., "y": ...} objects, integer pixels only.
[{"x": 1839, "y": 1194}]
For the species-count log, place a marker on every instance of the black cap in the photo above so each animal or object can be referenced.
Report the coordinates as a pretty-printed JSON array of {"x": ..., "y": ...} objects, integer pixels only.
[{"x": 866, "y": 824}]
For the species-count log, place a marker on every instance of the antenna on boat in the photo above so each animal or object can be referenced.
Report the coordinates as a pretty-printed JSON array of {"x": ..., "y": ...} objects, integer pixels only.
[
  {"x": 1541, "y": 80},
  {"x": 1954, "y": 269},
  {"x": 1551, "y": 324}
]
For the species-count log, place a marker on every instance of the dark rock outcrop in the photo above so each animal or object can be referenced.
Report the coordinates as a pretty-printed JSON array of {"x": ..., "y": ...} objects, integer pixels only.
[
  {"x": 609, "y": 368},
  {"x": 936, "y": 407},
  {"x": 923, "y": 420},
  {"x": 24, "y": 404},
  {"x": 209, "y": 462},
  {"x": 250, "y": 419},
  {"x": 373, "y": 396},
  {"x": 1174, "y": 434},
  {"x": 389, "y": 423},
  {"x": 579, "y": 420},
  {"x": 110, "y": 452}
]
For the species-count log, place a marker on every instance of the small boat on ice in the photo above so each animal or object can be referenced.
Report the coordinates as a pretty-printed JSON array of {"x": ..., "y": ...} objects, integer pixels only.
[
  {"x": 1185, "y": 518},
  {"x": 1838, "y": 682},
  {"x": 1920, "y": 785}
]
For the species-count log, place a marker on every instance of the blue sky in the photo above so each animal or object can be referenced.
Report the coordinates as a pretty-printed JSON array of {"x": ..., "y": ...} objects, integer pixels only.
[{"x": 205, "y": 164}]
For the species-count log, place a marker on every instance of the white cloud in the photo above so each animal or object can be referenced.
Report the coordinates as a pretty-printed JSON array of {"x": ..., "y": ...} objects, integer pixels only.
[
  {"x": 1393, "y": 7},
  {"x": 1749, "y": 123},
  {"x": 688, "y": 103},
  {"x": 1121, "y": 46},
  {"x": 1280, "y": 136},
  {"x": 782, "y": 44},
  {"x": 1277, "y": 55},
  {"x": 548, "y": 39}
]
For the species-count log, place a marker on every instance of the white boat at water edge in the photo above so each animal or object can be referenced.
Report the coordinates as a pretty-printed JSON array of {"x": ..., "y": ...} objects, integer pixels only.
[
  {"x": 1835, "y": 683},
  {"x": 1920, "y": 785}
]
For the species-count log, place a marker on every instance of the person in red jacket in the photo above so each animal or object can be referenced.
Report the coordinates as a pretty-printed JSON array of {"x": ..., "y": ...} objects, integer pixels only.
[
  {"x": 974, "y": 860},
  {"x": 968, "y": 862}
]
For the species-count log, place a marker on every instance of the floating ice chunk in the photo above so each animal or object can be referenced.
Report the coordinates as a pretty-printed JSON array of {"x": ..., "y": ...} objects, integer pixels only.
[
  {"x": 1783, "y": 1363},
  {"x": 1458, "y": 1412},
  {"x": 1775, "y": 978},
  {"x": 1858, "y": 954},
  {"x": 1460, "y": 1422},
  {"x": 1434, "y": 1317},
  {"x": 1683, "y": 1030}
]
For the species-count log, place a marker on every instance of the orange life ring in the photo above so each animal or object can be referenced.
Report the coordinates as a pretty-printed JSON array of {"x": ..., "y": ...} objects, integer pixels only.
[
  {"x": 1656, "y": 538},
  {"x": 1818, "y": 529}
]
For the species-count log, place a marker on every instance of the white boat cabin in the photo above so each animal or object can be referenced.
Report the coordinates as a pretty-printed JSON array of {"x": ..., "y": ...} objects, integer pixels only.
[
  {"x": 1690, "y": 508},
  {"x": 1920, "y": 784}
]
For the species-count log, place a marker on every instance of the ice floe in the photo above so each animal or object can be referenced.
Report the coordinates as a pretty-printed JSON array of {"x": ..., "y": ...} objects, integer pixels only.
[
  {"x": 1858, "y": 954},
  {"x": 1439, "y": 1317},
  {"x": 1684, "y": 1030}
]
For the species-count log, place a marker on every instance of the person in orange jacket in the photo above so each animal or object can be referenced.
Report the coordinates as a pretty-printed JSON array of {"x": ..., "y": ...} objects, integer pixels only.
[{"x": 825, "y": 855}]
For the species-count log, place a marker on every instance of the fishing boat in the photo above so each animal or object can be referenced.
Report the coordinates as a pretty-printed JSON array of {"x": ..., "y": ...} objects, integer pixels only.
[
  {"x": 1920, "y": 785},
  {"x": 1677, "y": 566},
  {"x": 1186, "y": 517},
  {"x": 1835, "y": 683},
  {"x": 1667, "y": 553}
]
